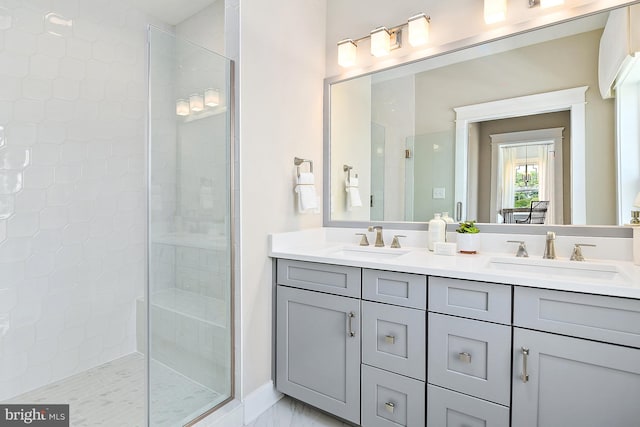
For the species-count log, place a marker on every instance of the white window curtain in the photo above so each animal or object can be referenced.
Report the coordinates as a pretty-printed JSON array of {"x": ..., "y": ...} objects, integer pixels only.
[
  {"x": 546, "y": 178},
  {"x": 506, "y": 178}
]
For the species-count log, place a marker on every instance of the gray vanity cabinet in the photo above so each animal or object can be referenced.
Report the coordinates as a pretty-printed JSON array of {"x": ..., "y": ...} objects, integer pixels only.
[
  {"x": 318, "y": 350},
  {"x": 573, "y": 382},
  {"x": 574, "y": 379}
]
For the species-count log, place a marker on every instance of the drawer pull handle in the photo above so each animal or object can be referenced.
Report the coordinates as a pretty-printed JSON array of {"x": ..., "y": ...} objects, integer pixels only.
[
  {"x": 352, "y": 333},
  {"x": 524, "y": 376},
  {"x": 390, "y": 339},
  {"x": 390, "y": 407},
  {"x": 464, "y": 357}
]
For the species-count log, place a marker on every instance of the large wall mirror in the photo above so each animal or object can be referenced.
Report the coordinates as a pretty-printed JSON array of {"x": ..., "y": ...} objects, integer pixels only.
[{"x": 486, "y": 133}]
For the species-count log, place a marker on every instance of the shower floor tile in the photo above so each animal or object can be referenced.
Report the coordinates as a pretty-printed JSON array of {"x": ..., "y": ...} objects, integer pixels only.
[{"x": 113, "y": 394}]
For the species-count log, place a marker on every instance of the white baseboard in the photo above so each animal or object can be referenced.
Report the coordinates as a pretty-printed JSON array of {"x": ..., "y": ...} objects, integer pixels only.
[
  {"x": 230, "y": 415},
  {"x": 259, "y": 401}
]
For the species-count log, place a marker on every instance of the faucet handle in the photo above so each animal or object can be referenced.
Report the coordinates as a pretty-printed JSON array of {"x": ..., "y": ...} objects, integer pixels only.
[
  {"x": 396, "y": 242},
  {"x": 363, "y": 241},
  {"x": 522, "y": 249},
  {"x": 576, "y": 255}
]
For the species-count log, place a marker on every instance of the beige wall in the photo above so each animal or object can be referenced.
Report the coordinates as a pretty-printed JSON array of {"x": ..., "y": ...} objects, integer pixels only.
[
  {"x": 351, "y": 145},
  {"x": 529, "y": 70},
  {"x": 561, "y": 119},
  {"x": 281, "y": 73}
]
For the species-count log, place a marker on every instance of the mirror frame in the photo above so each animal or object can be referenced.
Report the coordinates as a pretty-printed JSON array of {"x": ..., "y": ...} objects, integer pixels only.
[{"x": 568, "y": 15}]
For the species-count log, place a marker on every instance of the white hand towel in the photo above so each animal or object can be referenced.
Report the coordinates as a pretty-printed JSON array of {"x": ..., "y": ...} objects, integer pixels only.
[
  {"x": 306, "y": 189},
  {"x": 353, "y": 193}
]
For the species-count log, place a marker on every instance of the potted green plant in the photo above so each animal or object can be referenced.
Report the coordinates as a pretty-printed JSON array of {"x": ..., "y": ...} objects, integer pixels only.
[{"x": 468, "y": 239}]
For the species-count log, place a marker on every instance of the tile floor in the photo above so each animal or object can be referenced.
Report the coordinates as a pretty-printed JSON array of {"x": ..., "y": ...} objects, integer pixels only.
[
  {"x": 291, "y": 413},
  {"x": 113, "y": 394}
]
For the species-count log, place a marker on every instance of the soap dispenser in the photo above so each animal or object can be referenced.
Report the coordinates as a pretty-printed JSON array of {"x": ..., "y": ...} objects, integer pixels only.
[
  {"x": 447, "y": 218},
  {"x": 437, "y": 231}
]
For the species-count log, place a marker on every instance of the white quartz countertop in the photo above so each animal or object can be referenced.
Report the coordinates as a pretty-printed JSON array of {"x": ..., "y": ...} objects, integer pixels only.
[{"x": 611, "y": 277}]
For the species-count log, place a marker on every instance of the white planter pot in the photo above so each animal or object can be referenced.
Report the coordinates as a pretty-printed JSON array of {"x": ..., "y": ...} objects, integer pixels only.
[{"x": 468, "y": 243}]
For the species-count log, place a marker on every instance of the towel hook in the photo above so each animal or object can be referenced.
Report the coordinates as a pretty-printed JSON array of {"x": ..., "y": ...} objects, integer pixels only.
[
  {"x": 347, "y": 169},
  {"x": 298, "y": 161}
]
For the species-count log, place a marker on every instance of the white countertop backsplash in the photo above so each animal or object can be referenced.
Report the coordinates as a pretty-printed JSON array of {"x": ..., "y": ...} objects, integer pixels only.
[{"x": 320, "y": 245}]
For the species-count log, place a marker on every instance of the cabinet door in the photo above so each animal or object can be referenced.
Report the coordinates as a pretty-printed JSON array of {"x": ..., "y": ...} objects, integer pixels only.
[
  {"x": 318, "y": 350},
  {"x": 573, "y": 382}
]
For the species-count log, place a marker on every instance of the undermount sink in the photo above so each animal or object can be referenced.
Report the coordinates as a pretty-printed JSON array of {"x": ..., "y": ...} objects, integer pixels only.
[
  {"x": 367, "y": 252},
  {"x": 551, "y": 267}
]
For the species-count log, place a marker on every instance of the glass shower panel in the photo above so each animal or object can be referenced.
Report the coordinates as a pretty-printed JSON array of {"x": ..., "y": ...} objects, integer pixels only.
[{"x": 190, "y": 282}]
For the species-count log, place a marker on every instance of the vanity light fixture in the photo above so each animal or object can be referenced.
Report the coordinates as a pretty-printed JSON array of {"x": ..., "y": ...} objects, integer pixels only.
[
  {"x": 418, "y": 30},
  {"x": 385, "y": 39},
  {"x": 196, "y": 103},
  {"x": 495, "y": 11},
  {"x": 347, "y": 50},
  {"x": 380, "y": 42},
  {"x": 211, "y": 97},
  {"x": 182, "y": 107}
]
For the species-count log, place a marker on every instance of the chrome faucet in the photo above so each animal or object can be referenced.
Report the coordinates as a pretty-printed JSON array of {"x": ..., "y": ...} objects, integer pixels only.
[
  {"x": 550, "y": 246},
  {"x": 378, "y": 229}
]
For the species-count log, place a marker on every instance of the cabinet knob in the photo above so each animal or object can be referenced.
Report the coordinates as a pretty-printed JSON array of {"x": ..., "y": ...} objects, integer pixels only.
[
  {"x": 390, "y": 407},
  {"x": 390, "y": 339},
  {"x": 464, "y": 357}
]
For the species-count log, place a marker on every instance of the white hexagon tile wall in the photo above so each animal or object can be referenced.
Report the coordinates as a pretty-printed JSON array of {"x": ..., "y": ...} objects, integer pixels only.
[{"x": 72, "y": 186}]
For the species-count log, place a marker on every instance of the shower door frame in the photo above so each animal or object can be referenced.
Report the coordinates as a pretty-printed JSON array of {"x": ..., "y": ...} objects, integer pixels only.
[{"x": 232, "y": 234}]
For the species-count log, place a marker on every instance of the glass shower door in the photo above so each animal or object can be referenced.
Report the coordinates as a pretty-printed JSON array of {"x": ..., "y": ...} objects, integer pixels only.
[{"x": 189, "y": 295}]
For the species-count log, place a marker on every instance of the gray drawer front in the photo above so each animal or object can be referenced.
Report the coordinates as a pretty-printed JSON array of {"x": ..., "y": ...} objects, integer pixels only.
[
  {"x": 391, "y": 400},
  {"x": 334, "y": 279},
  {"x": 609, "y": 319},
  {"x": 446, "y": 408},
  {"x": 394, "y": 338},
  {"x": 470, "y": 357},
  {"x": 466, "y": 298},
  {"x": 405, "y": 289}
]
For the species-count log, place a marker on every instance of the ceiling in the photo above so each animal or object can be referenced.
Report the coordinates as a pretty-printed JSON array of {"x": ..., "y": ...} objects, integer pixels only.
[{"x": 172, "y": 11}]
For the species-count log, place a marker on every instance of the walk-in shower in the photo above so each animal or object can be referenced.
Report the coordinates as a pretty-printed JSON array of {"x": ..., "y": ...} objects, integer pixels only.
[
  {"x": 189, "y": 290},
  {"x": 115, "y": 210}
]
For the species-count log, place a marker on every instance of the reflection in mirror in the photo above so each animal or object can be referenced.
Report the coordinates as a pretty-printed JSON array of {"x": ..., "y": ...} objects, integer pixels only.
[{"x": 422, "y": 141}]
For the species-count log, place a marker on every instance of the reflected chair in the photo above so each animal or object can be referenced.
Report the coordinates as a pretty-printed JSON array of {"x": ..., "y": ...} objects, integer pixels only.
[{"x": 537, "y": 213}]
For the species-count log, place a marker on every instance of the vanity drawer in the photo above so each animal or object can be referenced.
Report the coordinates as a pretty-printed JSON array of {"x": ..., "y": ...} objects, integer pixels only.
[
  {"x": 446, "y": 408},
  {"x": 467, "y": 298},
  {"x": 391, "y": 400},
  {"x": 609, "y": 319},
  {"x": 334, "y": 279},
  {"x": 394, "y": 338},
  {"x": 405, "y": 289},
  {"x": 470, "y": 357}
]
